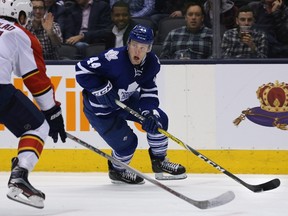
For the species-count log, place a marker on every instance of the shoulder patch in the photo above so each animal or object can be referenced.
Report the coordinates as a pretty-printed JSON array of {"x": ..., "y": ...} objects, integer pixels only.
[{"x": 111, "y": 54}]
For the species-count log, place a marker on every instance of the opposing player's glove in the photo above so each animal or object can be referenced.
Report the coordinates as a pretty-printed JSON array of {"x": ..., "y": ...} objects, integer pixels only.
[
  {"x": 55, "y": 121},
  {"x": 151, "y": 122},
  {"x": 106, "y": 95}
]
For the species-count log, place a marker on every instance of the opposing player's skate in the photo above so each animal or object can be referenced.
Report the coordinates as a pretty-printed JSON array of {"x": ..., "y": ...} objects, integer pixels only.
[
  {"x": 118, "y": 177},
  {"x": 20, "y": 189},
  {"x": 176, "y": 171}
]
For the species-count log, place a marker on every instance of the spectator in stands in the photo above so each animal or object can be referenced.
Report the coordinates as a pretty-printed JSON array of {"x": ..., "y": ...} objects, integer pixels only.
[
  {"x": 240, "y": 3},
  {"x": 57, "y": 8},
  {"x": 244, "y": 41},
  {"x": 87, "y": 23},
  {"x": 121, "y": 27},
  {"x": 271, "y": 16},
  {"x": 69, "y": 3},
  {"x": 168, "y": 8},
  {"x": 193, "y": 41},
  {"x": 46, "y": 30},
  {"x": 228, "y": 13},
  {"x": 138, "y": 8}
]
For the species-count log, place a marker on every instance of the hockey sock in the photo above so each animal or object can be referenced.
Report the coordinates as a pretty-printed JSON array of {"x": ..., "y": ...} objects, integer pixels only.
[
  {"x": 158, "y": 145},
  {"x": 27, "y": 160}
]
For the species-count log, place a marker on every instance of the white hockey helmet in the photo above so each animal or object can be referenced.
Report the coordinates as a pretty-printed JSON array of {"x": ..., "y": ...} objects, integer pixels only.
[{"x": 12, "y": 8}]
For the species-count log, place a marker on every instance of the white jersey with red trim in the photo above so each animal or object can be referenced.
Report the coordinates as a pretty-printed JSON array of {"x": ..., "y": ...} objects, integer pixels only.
[{"x": 21, "y": 54}]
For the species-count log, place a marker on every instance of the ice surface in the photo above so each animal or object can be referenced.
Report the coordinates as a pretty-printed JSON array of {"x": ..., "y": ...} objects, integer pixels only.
[{"x": 92, "y": 194}]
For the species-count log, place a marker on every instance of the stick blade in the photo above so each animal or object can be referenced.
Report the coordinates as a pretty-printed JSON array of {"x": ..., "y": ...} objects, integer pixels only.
[
  {"x": 217, "y": 201},
  {"x": 270, "y": 185}
]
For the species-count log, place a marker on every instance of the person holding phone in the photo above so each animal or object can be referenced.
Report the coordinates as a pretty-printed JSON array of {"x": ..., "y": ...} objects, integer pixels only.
[{"x": 244, "y": 41}]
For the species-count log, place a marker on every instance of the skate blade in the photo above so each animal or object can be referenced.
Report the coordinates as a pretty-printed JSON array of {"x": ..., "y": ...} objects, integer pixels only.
[
  {"x": 117, "y": 182},
  {"x": 16, "y": 194},
  {"x": 161, "y": 176}
]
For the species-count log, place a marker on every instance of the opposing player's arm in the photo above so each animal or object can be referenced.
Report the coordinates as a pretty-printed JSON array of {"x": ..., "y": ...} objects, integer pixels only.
[
  {"x": 41, "y": 88},
  {"x": 31, "y": 67}
]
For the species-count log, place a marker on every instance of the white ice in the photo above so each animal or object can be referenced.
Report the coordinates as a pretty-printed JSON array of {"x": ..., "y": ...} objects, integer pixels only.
[{"x": 92, "y": 194}]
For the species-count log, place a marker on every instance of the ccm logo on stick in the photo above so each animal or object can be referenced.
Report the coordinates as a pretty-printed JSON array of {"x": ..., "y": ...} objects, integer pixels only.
[{"x": 211, "y": 163}]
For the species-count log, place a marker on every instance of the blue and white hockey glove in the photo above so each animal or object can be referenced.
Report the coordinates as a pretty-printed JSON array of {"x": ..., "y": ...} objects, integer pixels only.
[
  {"x": 106, "y": 95},
  {"x": 56, "y": 123},
  {"x": 151, "y": 122}
]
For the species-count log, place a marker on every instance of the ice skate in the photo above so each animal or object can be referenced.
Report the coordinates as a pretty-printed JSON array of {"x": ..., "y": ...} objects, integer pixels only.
[
  {"x": 176, "y": 171},
  {"x": 20, "y": 189},
  {"x": 118, "y": 177}
]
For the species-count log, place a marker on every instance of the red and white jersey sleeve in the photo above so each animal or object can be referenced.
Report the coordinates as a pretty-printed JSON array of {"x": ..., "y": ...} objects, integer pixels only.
[{"x": 21, "y": 54}]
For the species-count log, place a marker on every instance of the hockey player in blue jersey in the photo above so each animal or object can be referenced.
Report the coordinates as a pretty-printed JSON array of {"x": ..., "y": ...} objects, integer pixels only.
[{"x": 127, "y": 74}]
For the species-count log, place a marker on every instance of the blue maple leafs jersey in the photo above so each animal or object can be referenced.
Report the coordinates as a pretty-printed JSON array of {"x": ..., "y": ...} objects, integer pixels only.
[{"x": 114, "y": 65}]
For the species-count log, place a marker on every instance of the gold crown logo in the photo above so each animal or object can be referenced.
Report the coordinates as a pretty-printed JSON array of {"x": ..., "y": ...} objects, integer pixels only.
[{"x": 273, "y": 97}]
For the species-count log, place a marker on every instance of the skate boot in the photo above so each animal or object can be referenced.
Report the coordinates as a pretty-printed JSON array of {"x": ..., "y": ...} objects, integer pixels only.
[
  {"x": 176, "y": 171},
  {"x": 118, "y": 177},
  {"x": 20, "y": 189}
]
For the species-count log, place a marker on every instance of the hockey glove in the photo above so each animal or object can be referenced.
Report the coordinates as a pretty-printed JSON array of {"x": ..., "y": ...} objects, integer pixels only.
[
  {"x": 106, "y": 95},
  {"x": 151, "y": 122},
  {"x": 55, "y": 121}
]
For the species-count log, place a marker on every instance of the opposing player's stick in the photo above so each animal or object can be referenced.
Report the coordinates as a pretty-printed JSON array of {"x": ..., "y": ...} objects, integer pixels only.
[
  {"x": 255, "y": 188},
  {"x": 204, "y": 204}
]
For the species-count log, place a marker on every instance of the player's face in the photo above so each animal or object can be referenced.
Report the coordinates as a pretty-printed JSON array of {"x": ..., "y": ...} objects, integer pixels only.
[
  {"x": 120, "y": 17},
  {"x": 137, "y": 51}
]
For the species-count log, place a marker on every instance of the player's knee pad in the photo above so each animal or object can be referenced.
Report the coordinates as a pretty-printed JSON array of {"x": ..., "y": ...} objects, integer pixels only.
[
  {"x": 21, "y": 115},
  {"x": 163, "y": 119},
  {"x": 41, "y": 131},
  {"x": 121, "y": 138}
]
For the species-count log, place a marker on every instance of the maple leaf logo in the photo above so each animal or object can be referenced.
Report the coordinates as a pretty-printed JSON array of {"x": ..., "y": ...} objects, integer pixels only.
[{"x": 111, "y": 55}]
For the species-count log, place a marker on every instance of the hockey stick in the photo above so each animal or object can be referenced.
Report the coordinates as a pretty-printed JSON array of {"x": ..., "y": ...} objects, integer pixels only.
[
  {"x": 255, "y": 188},
  {"x": 204, "y": 204}
]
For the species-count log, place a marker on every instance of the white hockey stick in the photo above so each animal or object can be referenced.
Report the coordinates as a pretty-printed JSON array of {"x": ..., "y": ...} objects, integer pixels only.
[{"x": 204, "y": 204}]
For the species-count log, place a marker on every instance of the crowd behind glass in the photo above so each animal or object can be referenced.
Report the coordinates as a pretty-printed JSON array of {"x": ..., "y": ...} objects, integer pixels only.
[{"x": 225, "y": 29}]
